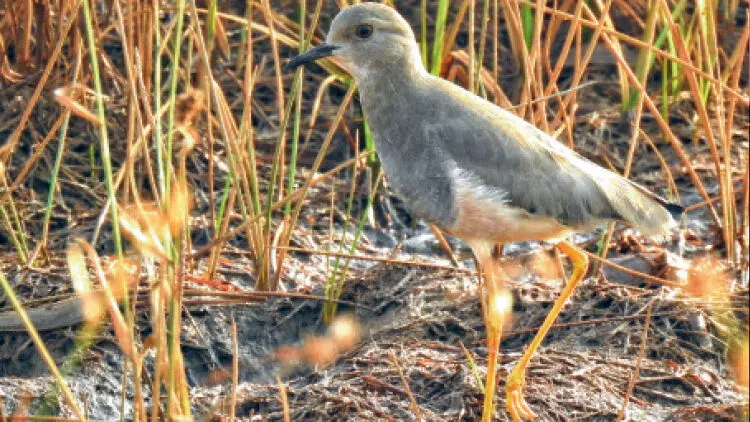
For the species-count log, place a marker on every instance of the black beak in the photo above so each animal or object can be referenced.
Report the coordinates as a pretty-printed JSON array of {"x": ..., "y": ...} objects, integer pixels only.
[{"x": 315, "y": 53}]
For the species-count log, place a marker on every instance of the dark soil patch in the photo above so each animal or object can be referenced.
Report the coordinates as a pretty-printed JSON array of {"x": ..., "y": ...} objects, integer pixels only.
[{"x": 422, "y": 316}]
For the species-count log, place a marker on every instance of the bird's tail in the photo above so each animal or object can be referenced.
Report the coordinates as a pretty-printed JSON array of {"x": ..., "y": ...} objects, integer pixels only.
[
  {"x": 634, "y": 204},
  {"x": 641, "y": 208}
]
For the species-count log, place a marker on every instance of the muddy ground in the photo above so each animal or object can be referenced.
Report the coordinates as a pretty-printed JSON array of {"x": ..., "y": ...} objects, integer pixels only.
[{"x": 422, "y": 316}]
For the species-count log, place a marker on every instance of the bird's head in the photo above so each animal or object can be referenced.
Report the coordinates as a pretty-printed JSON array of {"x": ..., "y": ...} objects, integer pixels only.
[{"x": 367, "y": 39}]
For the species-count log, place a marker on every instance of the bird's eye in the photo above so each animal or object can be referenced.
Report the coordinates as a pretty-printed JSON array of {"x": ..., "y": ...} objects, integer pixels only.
[{"x": 364, "y": 31}]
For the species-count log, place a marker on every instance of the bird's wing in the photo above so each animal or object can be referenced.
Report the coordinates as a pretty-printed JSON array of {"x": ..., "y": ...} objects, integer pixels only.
[{"x": 533, "y": 171}]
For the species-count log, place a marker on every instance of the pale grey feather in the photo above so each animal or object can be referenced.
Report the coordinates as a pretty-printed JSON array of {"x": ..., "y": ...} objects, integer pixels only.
[{"x": 424, "y": 127}]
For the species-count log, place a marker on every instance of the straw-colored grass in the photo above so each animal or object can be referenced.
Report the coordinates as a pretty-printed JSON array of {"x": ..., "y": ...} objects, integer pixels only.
[{"x": 148, "y": 81}]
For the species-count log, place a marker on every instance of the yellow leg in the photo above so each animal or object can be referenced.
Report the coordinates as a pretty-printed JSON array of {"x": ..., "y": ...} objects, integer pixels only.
[
  {"x": 494, "y": 332},
  {"x": 514, "y": 401},
  {"x": 495, "y": 305}
]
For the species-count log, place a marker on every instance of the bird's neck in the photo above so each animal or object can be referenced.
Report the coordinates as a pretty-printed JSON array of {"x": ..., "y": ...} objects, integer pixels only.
[
  {"x": 386, "y": 94},
  {"x": 389, "y": 74}
]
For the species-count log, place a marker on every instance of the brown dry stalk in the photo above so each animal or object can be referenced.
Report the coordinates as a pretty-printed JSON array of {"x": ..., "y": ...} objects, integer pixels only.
[
  {"x": 383, "y": 260},
  {"x": 709, "y": 134},
  {"x": 412, "y": 401},
  {"x": 284, "y": 400},
  {"x": 7, "y": 149},
  {"x": 639, "y": 359},
  {"x": 663, "y": 125},
  {"x": 39, "y": 343},
  {"x": 738, "y": 94},
  {"x": 235, "y": 371}
]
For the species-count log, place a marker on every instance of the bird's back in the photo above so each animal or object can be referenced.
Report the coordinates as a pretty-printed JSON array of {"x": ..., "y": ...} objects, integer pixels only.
[
  {"x": 515, "y": 162},
  {"x": 439, "y": 143}
]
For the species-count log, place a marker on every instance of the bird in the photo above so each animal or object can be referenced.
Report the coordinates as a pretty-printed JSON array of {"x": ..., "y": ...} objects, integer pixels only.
[{"x": 474, "y": 169}]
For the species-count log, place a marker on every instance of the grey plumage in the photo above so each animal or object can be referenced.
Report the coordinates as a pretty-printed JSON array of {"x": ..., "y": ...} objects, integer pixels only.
[
  {"x": 439, "y": 142},
  {"x": 476, "y": 170},
  {"x": 429, "y": 125}
]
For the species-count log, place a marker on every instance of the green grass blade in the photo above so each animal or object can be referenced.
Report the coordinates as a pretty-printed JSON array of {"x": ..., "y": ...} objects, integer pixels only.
[
  {"x": 174, "y": 78},
  {"x": 335, "y": 283},
  {"x": 103, "y": 137},
  {"x": 527, "y": 20},
  {"x": 300, "y": 74},
  {"x": 423, "y": 33},
  {"x": 437, "y": 47}
]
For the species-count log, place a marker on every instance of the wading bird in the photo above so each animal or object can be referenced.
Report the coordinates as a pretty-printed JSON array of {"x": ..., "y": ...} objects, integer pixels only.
[{"x": 477, "y": 171}]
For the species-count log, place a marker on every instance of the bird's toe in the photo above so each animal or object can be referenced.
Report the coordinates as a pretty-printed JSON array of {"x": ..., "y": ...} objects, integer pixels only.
[{"x": 514, "y": 401}]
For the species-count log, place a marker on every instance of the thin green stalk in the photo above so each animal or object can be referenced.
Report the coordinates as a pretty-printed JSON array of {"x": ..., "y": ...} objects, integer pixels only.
[
  {"x": 173, "y": 333},
  {"x": 643, "y": 65},
  {"x": 473, "y": 366},
  {"x": 300, "y": 74},
  {"x": 246, "y": 127},
  {"x": 667, "y": 65},
  {"x": 14, "y": 235},
  {"x": 15, "y": 228},
  {"x": 46, "y": 357},
  {"x": 18, "y": 225},
  {"x": 335, "y": 285},
  {"x": 84, "y": 340},
  {"x": 292, "y": 170},
  {"x": 103, "y": 137},
  {"x": 91, "y": 38},
  {"x": 372, "y": 158},
  {"x": 706, "y": 42},
  {"x": 437, "y": 47},
  {"x": 157, "y": 132},
  {"x": 61, "y": 137},
  {"x": 223, "y": 201},
  {"x": 213, "y": 8},
  {"x": 274, "y": 169},
  {"x": 665, "y": 34},
  {"x": 92, "y": 163},
  {"x": 264, "y": 279},
  {"x": 176, "y": 366},
  {"x": 322, "y": 151},
  {"x": 174, "y": 78},
  {"x": 332, "y": 277},
  {"x": 246, "y": 133},
  {"x": 244, "y": 30},
  {"x": 423, "y": 32},
  {"x": 472, "y": 46},
  {"x": 665, "y": 92},
  {"x": 479, "y": 88},
  {"x": 528, "y": 25},
  {"x": 674, "y": 68}
]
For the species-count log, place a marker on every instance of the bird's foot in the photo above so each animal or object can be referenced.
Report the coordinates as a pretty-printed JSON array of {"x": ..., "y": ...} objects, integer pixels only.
[{"x": 514, "y": 401}]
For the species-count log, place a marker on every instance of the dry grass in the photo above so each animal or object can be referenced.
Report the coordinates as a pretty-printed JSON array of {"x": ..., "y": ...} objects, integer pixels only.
[{"x": 170, "y": 121}]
